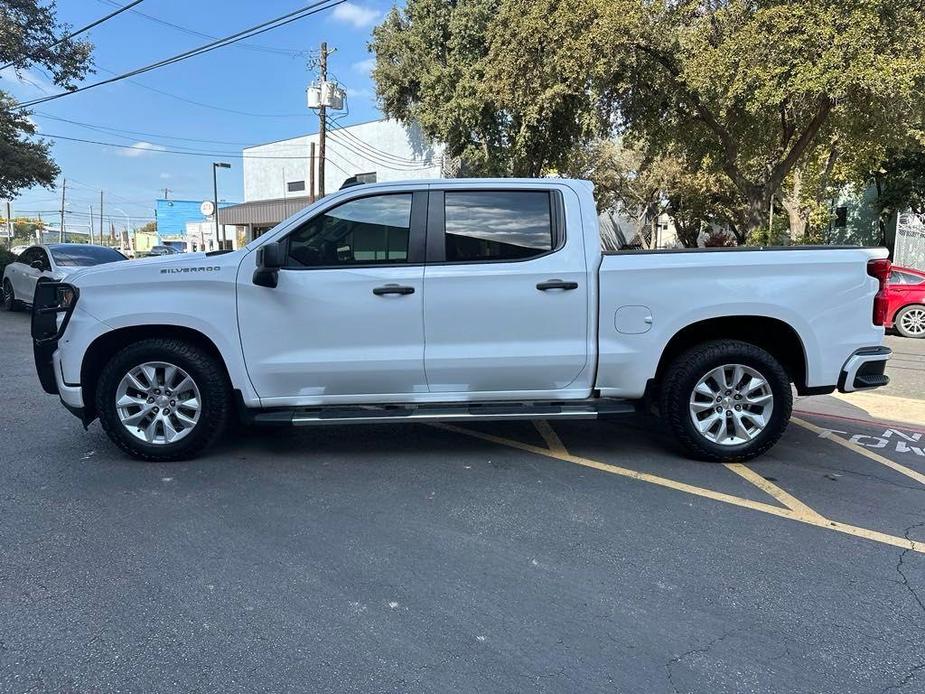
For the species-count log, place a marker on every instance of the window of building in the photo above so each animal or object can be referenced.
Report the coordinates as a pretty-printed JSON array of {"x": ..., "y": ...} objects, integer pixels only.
[
  {"x": 497, "y": 225},
  {"x": 295, "y": 186},
  {"x": 368, "y": 231}
]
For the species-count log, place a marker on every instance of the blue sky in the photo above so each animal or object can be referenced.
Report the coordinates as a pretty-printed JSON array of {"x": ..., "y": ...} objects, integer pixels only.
[{"x": 267, "y": 84}]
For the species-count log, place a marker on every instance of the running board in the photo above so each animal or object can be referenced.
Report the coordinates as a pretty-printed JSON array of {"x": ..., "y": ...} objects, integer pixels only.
[{"x": 416, "y": 414}]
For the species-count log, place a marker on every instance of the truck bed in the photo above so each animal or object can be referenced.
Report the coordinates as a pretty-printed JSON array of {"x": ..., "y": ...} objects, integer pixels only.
[{"x": 822, "y": 293}]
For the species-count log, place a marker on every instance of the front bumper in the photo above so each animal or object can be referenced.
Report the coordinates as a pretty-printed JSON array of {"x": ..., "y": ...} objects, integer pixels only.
[
  {"x": 46, "y": 332},
  {"x": 864, "y": 370}
]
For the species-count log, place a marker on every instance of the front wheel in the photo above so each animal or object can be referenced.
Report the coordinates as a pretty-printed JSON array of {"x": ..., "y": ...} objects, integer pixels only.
[
  {"x": 910, "y": 321},
  {"x": 163, "y": 399},
  {"x": 8, "y": 300},
  {"x": 726, "y": 401}
]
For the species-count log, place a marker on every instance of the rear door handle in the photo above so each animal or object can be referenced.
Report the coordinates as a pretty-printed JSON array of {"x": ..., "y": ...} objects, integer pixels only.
[
  {"x": 393, "y": 289},
  {"x": 556, "y": 284}
]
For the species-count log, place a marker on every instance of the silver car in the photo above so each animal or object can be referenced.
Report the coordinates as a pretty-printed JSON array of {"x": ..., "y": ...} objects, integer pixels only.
[{"x": 54, "y": 261}]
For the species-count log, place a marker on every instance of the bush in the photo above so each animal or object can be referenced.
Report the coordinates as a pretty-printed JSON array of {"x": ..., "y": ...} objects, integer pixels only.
[{"x": 5, "y": 259}]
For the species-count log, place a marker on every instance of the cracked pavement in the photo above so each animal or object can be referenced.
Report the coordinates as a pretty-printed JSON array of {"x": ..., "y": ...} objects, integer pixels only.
[{"x": 413, "y": 559}]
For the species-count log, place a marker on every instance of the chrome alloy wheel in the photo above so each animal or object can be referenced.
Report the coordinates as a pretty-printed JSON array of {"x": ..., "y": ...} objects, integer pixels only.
[
  {"x": 913, "y": 321},
  {"x": 158, "y": 402},
  {"x": 731, "y": 404}
]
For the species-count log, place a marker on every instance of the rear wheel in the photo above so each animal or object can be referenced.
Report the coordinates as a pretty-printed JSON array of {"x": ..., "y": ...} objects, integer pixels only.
[
  {"x": 8, "y": 302},
  {"x": 910, "y": 321},
  {"x": 163, "y": 399},
  {"x": 726, "y": 401}
]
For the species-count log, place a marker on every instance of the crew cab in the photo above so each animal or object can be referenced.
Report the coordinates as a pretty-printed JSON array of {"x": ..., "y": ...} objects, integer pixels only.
[{"x": 459, "y": 300}]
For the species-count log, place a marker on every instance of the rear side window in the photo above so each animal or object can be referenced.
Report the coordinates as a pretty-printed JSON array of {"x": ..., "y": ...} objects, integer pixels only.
[
  {"x": 497, "y": 225},
  {"x": 369, "y": 231},
  {"x": 899, "y": 277}
]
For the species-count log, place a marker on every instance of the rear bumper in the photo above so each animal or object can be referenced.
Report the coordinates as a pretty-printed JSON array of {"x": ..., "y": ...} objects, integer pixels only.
[{"x": 864, "y": 370}]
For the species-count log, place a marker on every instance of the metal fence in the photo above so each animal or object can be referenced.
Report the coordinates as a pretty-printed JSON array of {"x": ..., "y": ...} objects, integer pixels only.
[{"x": 910, "y": 241}]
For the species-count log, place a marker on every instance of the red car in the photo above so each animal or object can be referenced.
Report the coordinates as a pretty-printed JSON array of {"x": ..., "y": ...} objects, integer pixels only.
[{"x": 906, "y": 302}]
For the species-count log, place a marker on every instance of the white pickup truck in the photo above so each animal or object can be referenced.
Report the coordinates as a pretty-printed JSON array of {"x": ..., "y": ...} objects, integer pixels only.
[{"x": 459, "y": 300}]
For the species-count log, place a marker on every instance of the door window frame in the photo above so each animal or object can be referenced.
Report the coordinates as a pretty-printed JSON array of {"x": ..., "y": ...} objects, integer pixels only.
[
  {"x": 417, "y": 233},
  {"x": 436, "y": 225}
]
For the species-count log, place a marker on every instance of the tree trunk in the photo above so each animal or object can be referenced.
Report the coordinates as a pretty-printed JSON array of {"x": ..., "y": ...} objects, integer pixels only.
[
  {"x": 797, "y": 215},
  {"x": 755, "y": 217}
]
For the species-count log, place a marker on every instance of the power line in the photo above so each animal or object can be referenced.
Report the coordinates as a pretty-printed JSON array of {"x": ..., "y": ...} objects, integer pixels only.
[
  {"x": 385, "y": 164},
  {"x": 256, "y": 30},
  {"x": 363, "y": 144},
  {"x": 115, "y": 131},
  {"x": 73, "y": 34},
  {"x": 192, "y": 32},
  {"x": 161, "y": 149},
  {"x": 203, "y": 105}
]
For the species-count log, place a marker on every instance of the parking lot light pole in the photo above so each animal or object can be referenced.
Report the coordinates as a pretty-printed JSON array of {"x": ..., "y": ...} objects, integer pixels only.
[{"x": 215, "y": 166}]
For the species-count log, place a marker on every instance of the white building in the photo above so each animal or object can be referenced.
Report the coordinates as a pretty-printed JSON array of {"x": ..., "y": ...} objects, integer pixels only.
[{"x": 279, "y": 176}]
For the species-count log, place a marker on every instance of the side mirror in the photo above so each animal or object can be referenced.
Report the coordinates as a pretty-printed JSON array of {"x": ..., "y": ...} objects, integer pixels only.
[
  {"x": 37, "y": 265},
  {"x": 269, "y": 261}
]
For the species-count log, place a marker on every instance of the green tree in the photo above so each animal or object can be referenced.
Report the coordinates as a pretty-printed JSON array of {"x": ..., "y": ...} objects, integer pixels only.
[
  {"x": 757, "y": 88},
  {"x": 148, "y": 228},
  {"x": 31, "y": 36},
  {"x": 438, "y": 64},
  {"x": 753, "y": 91}
]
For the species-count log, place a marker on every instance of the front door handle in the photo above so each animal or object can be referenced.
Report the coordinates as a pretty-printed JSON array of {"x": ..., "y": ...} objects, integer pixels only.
[
  {"x": 556, "y": 284},
  {"x": 393, "y": 289}
]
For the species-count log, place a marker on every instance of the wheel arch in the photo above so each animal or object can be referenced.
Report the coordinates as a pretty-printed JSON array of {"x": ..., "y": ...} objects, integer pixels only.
[
  {"x": 105, "y": 346},
  {"x": 773, "y": 335}
]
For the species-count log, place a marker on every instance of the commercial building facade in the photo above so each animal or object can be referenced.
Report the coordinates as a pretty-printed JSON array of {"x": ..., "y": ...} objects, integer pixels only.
[{"x": 281, "y": 178}]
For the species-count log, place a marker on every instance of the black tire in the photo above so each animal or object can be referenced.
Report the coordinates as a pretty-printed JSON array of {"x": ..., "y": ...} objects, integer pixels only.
[
  {"x": 902, "y": 315},
  {"x": 205, "y": 370},
  {"x": 688, "y": 369},
  {"x": 9, "y": 302}
]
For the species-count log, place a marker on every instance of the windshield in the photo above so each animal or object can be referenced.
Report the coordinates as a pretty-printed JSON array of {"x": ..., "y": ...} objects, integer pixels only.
[{"x": 84, "y": 256}]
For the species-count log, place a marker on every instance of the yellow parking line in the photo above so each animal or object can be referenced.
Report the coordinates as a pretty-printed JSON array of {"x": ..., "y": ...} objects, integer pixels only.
[
  {"x": 866, "y": 452},
  {"x": 810, "y": 519},
  {"x": 773, "y": 490},
  {"x": 550, "y": 436}
]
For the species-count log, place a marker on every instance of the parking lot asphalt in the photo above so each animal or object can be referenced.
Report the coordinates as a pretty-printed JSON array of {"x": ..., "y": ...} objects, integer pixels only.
[{"x": 559, "y": 557}]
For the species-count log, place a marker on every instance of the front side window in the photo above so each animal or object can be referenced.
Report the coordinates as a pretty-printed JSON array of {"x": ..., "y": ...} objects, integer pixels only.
[
  {"x": 369, "y": 231},
  {"x": 497, "y": 225}
]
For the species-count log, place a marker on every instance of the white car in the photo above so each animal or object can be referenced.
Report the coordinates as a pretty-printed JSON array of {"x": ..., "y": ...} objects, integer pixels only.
[
  {"x": 17, "y": 250},
  {"x": 459, "y": 300},
  {"x": 53, "y": 261}
]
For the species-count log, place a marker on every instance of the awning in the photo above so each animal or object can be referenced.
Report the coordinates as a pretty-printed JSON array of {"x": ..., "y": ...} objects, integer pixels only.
[{"x": 263, "y": 212}]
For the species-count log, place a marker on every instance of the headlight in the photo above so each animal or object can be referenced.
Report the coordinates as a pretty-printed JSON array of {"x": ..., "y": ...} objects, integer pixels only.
[{"x": 66, "y": 296}]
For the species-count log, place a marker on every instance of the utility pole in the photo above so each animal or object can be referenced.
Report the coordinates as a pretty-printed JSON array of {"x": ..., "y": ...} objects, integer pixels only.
[
  {"x": 166, "y": 192},
  {"x": 101, "y": 219},
  {"x": 311, "y": 170},
  {"x": 215, "y": 166},
  {"x": 90, "y": 227},
  {"x": 61, "y": 231},
  {"x": 323, "y": 118},
  {"x": 9, "y": 226}
]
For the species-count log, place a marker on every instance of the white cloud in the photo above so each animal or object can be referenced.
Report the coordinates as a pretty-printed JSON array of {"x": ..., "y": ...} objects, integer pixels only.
[
  {"x": 358, "y": 16},
  {"x": 360, "y": 94},
  {"x": 139, "y": 149},
  {"x": 365, "y": 66},
  {"x": 165, "y": 176},
  {"x": 27, "y": 84}
]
